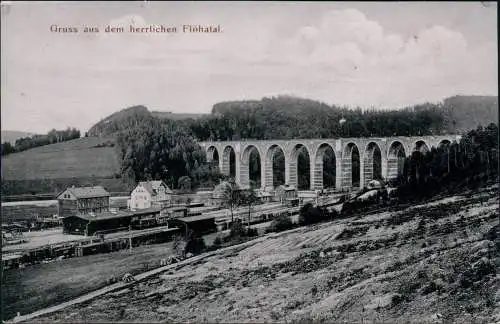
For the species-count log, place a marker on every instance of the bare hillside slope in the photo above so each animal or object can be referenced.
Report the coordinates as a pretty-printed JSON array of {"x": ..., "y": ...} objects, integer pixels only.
[{"x": 433, "y": 262}]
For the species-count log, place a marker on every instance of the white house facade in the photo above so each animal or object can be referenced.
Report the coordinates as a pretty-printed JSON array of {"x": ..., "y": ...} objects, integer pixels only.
[{"x": 149, "y": 194}]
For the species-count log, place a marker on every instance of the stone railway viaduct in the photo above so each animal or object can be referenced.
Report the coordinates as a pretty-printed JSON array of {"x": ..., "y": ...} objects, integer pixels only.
[{"x": 392, "y": 150}]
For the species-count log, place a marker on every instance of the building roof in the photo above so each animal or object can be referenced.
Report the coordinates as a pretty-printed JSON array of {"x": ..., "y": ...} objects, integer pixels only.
[
  {"x": 117, "y": 214},
  {"x": 260, "y": 193},
  {"x": 157, "y": 183},
  {"x": 286, "y": 188},
  {"x": 147, "y": 185},
  {"x": 145, "y": 211},
  {"x": 177, "y": 208},
  {"x": 375, "y": 183},
  {"x": 196, "y": 218},
  {"x": 204, "y": 192},
  {"x": 220, "y": 189},
  {"x": 153, "y": 186},
  {"x": 88, "y": 192},
  {"x": 11, "y": 257}
]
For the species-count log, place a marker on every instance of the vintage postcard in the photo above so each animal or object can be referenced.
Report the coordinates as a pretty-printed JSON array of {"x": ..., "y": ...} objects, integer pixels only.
[{"x": 253, "y": 162}]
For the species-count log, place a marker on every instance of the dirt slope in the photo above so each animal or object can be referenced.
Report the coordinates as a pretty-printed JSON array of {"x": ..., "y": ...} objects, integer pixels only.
[{"x": 429, "y": 263}]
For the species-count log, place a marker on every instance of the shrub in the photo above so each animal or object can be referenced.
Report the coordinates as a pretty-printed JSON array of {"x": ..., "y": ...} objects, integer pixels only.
[
  {"x": 397, "y": 299},
  {"x": 492, "y": 234},
  {"x": 421, "y": 226},
  {"x": 239, "y": 233},
  {"x": 111, "y": 280},
  {"x": 213, "y": 248},
  {"x": 310, "y": 215},
  {"x": 237, "y": 230},
  {"x": 217, "y": 241},
  {"x": 252, "y": 232},
  {"x": 333, "y": 214},
  {"x": 343, "y": 198},
  {"x": 482, "y": 268},
  {"x": 178, "y": 245},
  {"x": 431, "y": 287},
  {"x": 281, "y": 223},
  {"x": 194, "y": 244}
]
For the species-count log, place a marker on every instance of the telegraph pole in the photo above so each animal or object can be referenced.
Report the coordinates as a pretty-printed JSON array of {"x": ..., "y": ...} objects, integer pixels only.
[
  {"x": 488, "y": 161},
  {"x": 130, "y": 236},
  {"x": 448, "y": 159}
]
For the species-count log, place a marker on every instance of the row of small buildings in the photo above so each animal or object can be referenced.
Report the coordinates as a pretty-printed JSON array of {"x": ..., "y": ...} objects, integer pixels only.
[{"x": 87, "y": 210}]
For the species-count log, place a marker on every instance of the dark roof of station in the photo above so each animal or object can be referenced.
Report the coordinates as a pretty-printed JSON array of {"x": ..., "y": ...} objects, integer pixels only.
[{"x": 117, "y": 214}]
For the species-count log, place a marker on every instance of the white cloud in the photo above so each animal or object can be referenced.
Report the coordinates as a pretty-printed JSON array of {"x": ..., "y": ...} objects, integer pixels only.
[
  {"x": 339, "y": 56},
  {"x": 344, "y": 45},
  {"x": 383, "y": 67}
]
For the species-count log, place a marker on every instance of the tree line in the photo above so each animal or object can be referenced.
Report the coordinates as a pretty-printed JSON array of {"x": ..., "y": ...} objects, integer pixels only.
[
  {"x": 155, "y": 149},
  {"x": 53, "y": 136},
  {"x": 288, "y": 117},
  {"x": 467, "y": 164}
]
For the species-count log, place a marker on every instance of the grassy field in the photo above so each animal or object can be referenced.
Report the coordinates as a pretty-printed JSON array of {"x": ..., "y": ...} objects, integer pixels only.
[
  {"x": 83, "y": 161},
  {"x": 76, "y": 158},
  {"x": 428, "y": 263},
  {"x": 43, "y": 285},
  {"x": 27, "y": 212},
  {"x": 18, "y": 211}
]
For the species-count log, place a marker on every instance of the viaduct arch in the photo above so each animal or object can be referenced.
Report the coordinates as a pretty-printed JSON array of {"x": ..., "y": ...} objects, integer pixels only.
[{"x": 380, "y": 157}]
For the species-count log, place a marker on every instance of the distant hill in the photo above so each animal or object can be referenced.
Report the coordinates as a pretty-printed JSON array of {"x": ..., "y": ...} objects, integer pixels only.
[
  {"x": 290, "y": 105},
  {"x": 50, "y": 168},
  {"x": 283, "y": 117},
  {"x": 129, "y": 117},
  {"x": 12, "y": 136},
  {"x": 459, "y": 113},
  {"x": 176, "y": 116},
  {"x": 464, "y": 113},
  {"x": 123, "y": 118}
]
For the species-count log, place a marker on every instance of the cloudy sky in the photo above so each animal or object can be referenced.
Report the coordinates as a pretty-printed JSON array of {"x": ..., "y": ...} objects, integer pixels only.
[{"x": 357, "y": 54}]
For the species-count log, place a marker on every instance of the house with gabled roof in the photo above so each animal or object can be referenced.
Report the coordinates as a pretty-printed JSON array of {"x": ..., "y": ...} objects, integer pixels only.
[
  {"x": 150, "y": 194},
  {"x": 83, "y": 200}
]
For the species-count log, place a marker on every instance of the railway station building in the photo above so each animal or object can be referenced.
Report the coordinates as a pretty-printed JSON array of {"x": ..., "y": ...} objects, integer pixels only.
[{"x": 108, "y": 222}]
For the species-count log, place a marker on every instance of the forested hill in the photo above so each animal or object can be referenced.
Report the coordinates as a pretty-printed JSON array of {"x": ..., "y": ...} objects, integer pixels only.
[
  {"x": 176, "y": 116},
  {"x": 285, "y": 117},
  {"x": 132, "y": 117},
  {"x": 289, "y": 117},
  {"x": 128, "y": 117},
  {"x": 467, "y": 112}
]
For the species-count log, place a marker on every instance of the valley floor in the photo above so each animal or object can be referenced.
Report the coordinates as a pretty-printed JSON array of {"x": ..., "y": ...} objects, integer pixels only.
[{"x": 432, "y": 262}]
